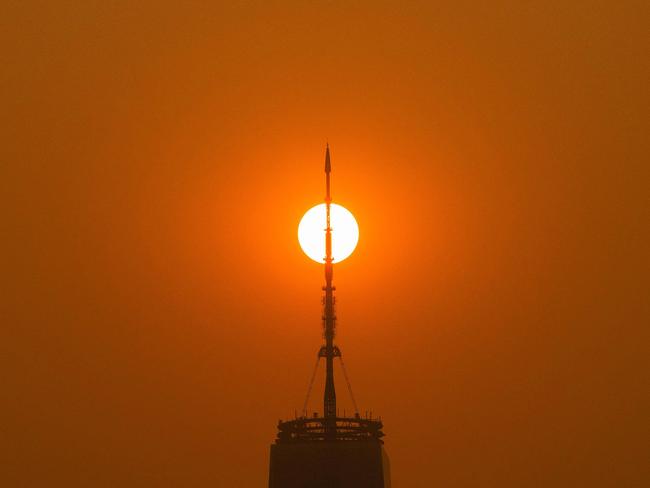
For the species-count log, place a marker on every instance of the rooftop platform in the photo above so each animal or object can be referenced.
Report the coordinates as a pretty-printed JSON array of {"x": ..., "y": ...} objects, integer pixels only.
[{"x": 318, "y": 429}]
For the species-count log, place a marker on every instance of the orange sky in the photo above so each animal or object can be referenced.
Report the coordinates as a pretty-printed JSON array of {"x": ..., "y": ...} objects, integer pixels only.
[{"x": 158, "y": 316}]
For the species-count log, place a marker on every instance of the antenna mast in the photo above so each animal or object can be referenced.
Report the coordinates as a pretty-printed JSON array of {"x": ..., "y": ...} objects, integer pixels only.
[
  {"x": 329, "y": 351},
  {"x": 330, "y": 427}
]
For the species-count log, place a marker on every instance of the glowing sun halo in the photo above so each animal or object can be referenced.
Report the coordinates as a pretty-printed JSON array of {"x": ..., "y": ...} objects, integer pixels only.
[{"x": 311, "y": 232}]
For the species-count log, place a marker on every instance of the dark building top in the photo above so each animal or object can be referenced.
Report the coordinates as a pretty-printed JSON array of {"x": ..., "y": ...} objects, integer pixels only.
[{"x": 315, "y": 429}]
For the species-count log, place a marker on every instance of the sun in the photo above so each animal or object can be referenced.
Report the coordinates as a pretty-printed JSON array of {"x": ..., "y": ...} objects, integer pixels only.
[{"x": 311, "y": 232}]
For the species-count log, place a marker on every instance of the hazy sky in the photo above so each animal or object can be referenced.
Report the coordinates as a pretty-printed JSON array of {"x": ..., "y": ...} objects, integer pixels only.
[{"x": 158, "y": 317}]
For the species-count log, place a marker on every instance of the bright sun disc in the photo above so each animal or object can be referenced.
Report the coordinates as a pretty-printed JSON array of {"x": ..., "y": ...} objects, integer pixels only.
[{"x": 311, "y": 232}]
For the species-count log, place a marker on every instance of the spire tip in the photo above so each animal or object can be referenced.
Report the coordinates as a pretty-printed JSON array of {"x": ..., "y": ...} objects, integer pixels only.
[{"x": 328, "y": 165}]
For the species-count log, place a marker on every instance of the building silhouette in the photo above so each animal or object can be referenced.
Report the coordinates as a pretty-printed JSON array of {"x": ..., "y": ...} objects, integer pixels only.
[{"x": 329, "y": 451}]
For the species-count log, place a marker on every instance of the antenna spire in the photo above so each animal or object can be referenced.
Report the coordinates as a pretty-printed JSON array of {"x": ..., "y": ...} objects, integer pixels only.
[
  {"x": 329, "y": 351},
  {"x": 306, "y": 431}
]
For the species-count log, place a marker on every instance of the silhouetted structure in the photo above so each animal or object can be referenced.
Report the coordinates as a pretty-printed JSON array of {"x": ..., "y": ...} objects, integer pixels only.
[{"x": 329, "y": 451}]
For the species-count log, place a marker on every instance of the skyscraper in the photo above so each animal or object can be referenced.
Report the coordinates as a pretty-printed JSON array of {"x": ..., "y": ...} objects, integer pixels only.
[{"x": 329, "y": 451}]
